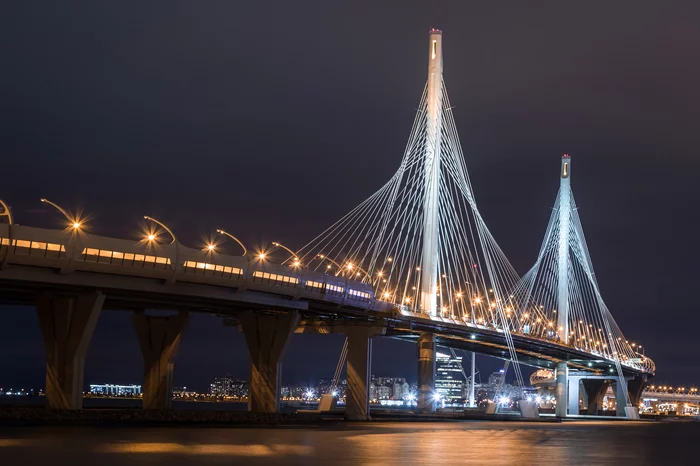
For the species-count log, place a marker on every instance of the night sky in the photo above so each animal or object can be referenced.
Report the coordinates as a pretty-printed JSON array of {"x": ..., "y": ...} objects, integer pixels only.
[{"x": 273, "y": 119}]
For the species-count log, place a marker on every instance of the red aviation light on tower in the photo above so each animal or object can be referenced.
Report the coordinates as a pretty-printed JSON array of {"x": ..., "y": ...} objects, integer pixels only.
[{"x": 565, "y": 156}]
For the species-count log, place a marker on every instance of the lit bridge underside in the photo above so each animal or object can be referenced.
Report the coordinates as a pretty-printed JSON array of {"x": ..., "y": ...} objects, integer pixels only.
[{"x": 38, "y": 261}]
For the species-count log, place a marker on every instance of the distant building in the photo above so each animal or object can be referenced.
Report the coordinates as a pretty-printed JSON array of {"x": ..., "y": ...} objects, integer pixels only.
[
  {"x": 450, "y": 380},
  {"x": 228, "y": 386},
  {"x": 115, "y": 390},
  {"x": 497, "y": 378}
]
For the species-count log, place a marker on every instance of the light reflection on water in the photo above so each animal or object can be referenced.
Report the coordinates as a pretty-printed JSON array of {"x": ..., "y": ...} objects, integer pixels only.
[{"x": 386, "y": 443}]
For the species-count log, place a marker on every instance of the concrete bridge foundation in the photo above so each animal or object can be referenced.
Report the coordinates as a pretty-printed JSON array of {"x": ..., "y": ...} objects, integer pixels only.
[
  {"x": 159, "y": 338},
  {"x": 67, "y": 324},
  {"x": 359, "y": 369},
  {"x": 266, "y": 336},
  {"x": 594, "y": 387},
  {"x": 426, "y": 373}
]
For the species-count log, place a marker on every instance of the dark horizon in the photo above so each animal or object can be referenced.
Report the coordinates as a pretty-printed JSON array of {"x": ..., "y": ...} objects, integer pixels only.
[{"x": 273, "y": 120}]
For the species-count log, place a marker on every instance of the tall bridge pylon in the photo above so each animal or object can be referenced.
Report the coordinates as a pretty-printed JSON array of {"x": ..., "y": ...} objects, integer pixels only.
[
  {"x": 423, "y": 245},
  {"x": 420, "y": 240}
]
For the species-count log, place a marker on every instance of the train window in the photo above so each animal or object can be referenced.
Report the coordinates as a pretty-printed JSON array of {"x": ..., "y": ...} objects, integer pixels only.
[
  {"x": 313, "y": 284},
  {"x": 91, "y": 252},
  {"x": 118, "y": 255},
  {"x": 20, "y": 243},
  {"x": 106, "y": 254}
]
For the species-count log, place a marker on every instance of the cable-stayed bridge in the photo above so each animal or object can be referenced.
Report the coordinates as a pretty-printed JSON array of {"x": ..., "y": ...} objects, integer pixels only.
[{"x": 414, "y": 261}]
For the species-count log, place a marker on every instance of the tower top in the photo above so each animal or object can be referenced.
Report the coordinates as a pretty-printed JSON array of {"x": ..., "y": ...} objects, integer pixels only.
[
  {"x": 435, "y": 31},
  {"x": 565, "y": 166}
]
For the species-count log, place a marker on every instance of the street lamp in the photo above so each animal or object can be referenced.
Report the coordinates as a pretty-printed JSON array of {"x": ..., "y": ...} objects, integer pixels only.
[
  {"x": 225, "y": 233},
  {"x": 151, "y": 236},
  {"x": 6, "y": 212},
  {"x": 73, "y": 222},
  {"x": 321, "y": 256},
  {"x": 350, "y": 266},
  {"x": 294, "y": 256}
]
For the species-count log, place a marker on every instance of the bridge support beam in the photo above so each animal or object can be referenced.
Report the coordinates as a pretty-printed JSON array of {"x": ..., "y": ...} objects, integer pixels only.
[
  {"x": 635, "y": 387},
  {"x": 595, "y": 392},
  {"x": 426, "y": 373},
  {"x": 266, "y": 336},
  {"x": 359, "y": 368},
  {"x": 574, "y": 395},
  {"x": 67, "y": 324},
  {"x": 159, "y": 339},
  {"x": 560, "y": 390}
]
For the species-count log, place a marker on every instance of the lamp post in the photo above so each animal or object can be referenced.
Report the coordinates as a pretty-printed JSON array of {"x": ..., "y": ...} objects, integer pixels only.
[
  {"x": 225, "y": 233},
  {"x": 161, "y": 224},
  {"x": 351, "y": 266},
  {"x": 73, "y": 222},
  {"x": 6, "y": 212},
  {"x": 280, "y": 245},
  {"x": 322, "y": 257}
]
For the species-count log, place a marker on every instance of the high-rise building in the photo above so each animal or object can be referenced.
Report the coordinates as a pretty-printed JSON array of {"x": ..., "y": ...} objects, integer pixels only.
[
  {"x": 450, "y": 380},
  {"x": 228, "y": 386},
  {"x": 115, "y": 390}
]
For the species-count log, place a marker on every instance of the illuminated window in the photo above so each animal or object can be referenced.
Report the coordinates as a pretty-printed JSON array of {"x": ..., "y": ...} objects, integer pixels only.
[
  {"x": 565, "y": 171},
  {"x": 434, "y": 49}
]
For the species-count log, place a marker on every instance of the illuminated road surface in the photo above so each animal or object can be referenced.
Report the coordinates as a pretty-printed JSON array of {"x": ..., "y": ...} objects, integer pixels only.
[{"x": 478, "y": 443}]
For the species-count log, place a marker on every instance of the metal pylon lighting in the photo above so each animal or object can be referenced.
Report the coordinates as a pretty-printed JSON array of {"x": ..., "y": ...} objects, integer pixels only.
[{"x": 421, "y": 238}]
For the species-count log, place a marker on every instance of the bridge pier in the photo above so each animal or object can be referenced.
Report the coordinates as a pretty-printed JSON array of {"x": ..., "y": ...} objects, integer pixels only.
[
  {"x": 560, "y": 390},
  {"x": 266, "y": 336},
  {"x": 159, "y": 338},
  {"x": 359, "y": 368},
  {"x": 67, "y": 324},
  {"x": 595, "y": 391},
  {"x": 574, "y": 395},
  {"x": 426, "y": 373}
]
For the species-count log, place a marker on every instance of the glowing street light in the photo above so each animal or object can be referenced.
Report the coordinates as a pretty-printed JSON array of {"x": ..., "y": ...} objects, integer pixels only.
[
  {"x": 280, "y": 245},
  {"x": 151, "y": 236},
  {"x": 73, "y": 222},
  {"x": 225, "y": 233},
  {"x": 322, "y": 257}
]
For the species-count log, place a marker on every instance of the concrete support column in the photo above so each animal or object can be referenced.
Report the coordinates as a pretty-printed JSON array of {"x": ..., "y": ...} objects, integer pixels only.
[
  {"x": 574, "y": 395},
  {"x": 67, "y": 324},
  {"x": 159, "y": 339},
  {"x": 635, "y": 387},
  {"x": 266, "y": 336},
  {"x": 561, "y": 389},
  {"x": 426, "y": 373},
  {"x": 359, "y": 370},
  {"x": 595, "y": 390},
  {"x": 620, "y": 398}
]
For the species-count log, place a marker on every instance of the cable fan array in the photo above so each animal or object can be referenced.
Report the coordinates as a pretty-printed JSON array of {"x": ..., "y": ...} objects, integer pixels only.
[
  {"x": 591, "y": 326},
  {"x": 381, "y": 241}
]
